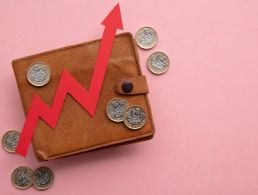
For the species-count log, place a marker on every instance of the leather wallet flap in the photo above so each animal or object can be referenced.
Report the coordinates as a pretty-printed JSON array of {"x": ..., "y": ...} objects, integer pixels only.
[{"x": 132, "y": 86}]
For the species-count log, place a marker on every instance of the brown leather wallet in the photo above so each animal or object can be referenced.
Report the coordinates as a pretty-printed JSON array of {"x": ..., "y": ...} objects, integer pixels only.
[{"x": 76, "y": 131}]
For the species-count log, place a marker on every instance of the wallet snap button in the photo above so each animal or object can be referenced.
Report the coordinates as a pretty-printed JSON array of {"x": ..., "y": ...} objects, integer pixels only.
[{"x": 127, "y": 86}]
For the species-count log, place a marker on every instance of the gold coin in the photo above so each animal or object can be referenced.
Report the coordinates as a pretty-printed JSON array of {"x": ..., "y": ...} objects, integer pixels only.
[
  {"x": 38, "y": 74},
  {"x": 10, "y": 140},
  {"x": 22, "y": 177},
  {"x": 116, "y": 108},
  {"x": 158, "y": 63},
  {"x": 146, "y": 38},
  {"x": 135, "y": 117},
  {"x": 43, "y": 178}
]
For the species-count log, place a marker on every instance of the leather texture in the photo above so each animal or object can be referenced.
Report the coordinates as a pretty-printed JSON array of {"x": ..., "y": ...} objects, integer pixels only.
[{"x": 76, "y": 131}]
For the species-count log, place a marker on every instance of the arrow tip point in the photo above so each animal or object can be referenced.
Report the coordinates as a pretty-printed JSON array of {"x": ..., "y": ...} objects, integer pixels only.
[{"x": 114, "y": 18}]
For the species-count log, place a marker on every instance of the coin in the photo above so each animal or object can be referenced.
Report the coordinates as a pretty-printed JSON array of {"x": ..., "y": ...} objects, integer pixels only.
[
  {"x": 22, "y": 177},
  {"x": 43, "y": 178},
  {"x": 158, "y": 63},
  {"x": 146, "y": 38},
  {"x": 116, "y": 108},
  {"x": 38, "y": 74},
  {"x": 135, "y": 117},
  {"x": 10, "y": 140}
]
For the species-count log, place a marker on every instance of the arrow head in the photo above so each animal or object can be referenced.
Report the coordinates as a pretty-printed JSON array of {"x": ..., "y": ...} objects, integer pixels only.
[{"x": 114, "y": 19}]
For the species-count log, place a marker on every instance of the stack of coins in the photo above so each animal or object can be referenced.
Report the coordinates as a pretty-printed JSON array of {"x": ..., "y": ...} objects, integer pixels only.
[
  {"x": 118, "y": 110},
  {"x": 23, "y": 177},
  {"x": 147, "y": 38}
]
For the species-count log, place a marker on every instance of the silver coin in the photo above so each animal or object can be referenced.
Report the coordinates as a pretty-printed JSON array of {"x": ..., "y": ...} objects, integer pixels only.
[
  {"x": 38, "y": 74},
  {"x": 158, "y": 63},
  {"x": 135, "y": 117},
  {"x": 22, "y": 177},
  {"x": 146, "y": 38},
  {"x": 116, "y": 108},
  {"x": 43, "y": 178},
  {"x": 10, "y": 140}
]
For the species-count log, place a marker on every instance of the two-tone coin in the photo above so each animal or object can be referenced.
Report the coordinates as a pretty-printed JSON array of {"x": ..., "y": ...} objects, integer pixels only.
[
  {"x": 10, "y": 140},
  {"x": 146, "y": 38},
  {"x": 38, "y": 74},
  {"x": 158, "y": 63},
  {"x": 135, "y": 117},
  {"x": 22, "y": 177},
  {"x": 43, "y": 178},
  {"x": 116, "y": 108}
]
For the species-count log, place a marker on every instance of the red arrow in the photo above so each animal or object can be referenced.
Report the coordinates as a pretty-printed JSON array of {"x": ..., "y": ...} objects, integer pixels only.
[{"x": 87, "y": 99}]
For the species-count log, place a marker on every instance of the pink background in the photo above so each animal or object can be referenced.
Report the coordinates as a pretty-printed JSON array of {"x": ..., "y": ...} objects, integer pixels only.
[{"x": 205, "y": 108}]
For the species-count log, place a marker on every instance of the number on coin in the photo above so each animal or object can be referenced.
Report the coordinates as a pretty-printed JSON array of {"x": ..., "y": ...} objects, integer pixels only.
[
  {"x": 135, "y": 117},
  {"x": 116, "y": 108}
]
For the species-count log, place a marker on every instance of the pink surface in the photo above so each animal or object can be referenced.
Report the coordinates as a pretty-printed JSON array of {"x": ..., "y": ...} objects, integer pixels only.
[{"x": 205, "y": 108}]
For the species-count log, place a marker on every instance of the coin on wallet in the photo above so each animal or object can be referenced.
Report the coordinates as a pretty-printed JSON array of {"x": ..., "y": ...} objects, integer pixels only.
[
  {"x": 116, "y": 108},
  {"x": 135, "y": 117},
  {"x": 38, "y": 74}
]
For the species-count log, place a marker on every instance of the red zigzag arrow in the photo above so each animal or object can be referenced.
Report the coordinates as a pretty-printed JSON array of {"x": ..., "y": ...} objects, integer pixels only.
[{"x": 87, "y": 99}]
